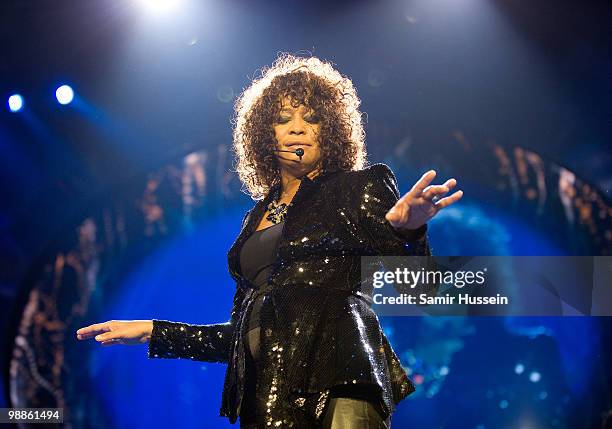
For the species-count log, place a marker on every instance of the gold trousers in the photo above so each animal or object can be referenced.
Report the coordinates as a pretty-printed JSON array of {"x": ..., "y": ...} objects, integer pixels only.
[{"x": 349, "y": 413}]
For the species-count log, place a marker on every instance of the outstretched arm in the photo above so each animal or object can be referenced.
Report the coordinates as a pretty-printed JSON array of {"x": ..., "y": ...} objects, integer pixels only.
[
  {"x": 397, "y": 226},
  {"x": 170, "y": 340},
  {"x": 379, "y": 194},
  {"x": 210, "y": 343}
]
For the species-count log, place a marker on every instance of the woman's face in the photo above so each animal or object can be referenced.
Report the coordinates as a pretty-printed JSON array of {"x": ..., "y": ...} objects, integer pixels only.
[{"x": 297, "y": 128}]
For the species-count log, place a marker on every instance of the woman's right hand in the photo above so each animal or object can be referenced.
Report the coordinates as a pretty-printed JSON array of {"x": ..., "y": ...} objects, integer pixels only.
[{"x": 126, "y": 332}]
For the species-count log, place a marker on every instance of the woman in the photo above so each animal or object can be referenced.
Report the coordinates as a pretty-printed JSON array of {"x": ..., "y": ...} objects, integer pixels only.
[{"x": 303, "y": 346}]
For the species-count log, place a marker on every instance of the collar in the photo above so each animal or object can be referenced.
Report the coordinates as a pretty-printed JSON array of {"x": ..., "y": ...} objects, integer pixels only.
[{"x": 319, "y": 176}]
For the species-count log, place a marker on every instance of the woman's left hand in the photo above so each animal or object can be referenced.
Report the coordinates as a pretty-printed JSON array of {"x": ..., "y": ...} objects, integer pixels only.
[{"x": 415, "y": 208}]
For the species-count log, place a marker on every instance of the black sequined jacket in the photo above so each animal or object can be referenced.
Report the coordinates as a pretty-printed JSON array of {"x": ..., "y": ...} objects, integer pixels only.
[{"x": 317, "y": 326}]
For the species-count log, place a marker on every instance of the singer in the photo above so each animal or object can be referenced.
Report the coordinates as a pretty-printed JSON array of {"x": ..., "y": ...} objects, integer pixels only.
[{"x": 302, "y": 345}]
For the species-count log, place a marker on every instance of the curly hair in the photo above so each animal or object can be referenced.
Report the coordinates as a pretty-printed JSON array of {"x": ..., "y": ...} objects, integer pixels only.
[{"x": 318, "y": 86}]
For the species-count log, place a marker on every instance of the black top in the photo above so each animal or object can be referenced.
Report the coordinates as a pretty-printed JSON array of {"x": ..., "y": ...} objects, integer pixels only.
[
  {"x": 259, "y": 252},
  {"x": 256, "y": 258}
]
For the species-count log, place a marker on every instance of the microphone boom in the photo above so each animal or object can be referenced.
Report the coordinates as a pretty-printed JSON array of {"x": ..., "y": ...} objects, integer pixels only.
[{"x": 299, "y": 151}]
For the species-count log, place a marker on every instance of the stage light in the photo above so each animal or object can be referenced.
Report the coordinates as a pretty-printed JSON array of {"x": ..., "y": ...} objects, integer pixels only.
[
  {"x": 160, "y": 6},
  {"x": 534, "y": 377},
  {"x": 15, "y": 103},
  {"x": 64, "y": 94},
  {"x": 519, "y": 368}
]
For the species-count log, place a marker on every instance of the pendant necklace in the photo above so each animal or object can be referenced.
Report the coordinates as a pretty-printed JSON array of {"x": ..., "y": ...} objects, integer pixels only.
[{"x": 277, "y": 213}]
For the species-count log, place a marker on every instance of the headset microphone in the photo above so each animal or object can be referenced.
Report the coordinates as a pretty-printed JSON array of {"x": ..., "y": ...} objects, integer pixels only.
[{"x": 299, "y": 151}]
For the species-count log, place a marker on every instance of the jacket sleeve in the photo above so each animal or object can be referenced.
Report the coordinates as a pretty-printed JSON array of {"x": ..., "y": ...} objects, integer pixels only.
[
  {"x": 379, "y": 192},
  {"x": 209, "y": 343}
]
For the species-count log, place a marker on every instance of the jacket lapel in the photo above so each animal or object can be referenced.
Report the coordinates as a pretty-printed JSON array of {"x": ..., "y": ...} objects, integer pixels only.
[
  {"x": 253, "y": 220},
  {"x": 307, "y": 185}
]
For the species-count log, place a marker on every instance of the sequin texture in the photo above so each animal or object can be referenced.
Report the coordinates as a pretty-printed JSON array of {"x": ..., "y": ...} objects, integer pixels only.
[{"x": 318, "y": 328}]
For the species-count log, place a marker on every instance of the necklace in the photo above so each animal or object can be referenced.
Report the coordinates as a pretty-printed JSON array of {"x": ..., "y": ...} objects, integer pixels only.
[{"x": 277, "y": 213}]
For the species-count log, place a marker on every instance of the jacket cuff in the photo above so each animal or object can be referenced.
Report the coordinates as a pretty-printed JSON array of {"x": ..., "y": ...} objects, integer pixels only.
[
  {"x": 160, "y": 345},
  {"x": 412, "y": 234}
]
